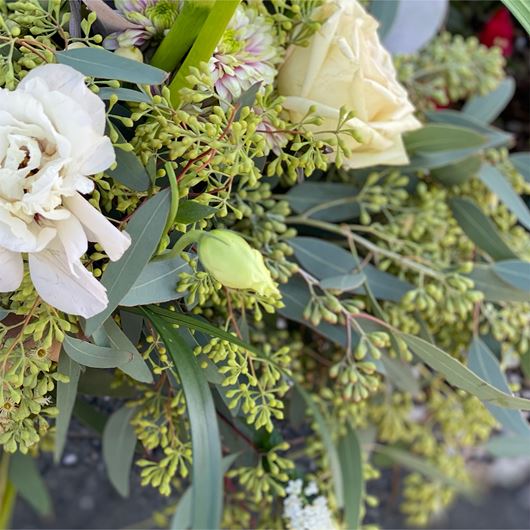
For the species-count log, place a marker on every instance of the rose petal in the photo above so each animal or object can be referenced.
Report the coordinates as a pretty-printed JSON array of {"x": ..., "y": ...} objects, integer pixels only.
[
  {"x": 75, "y": 291},
  {"x": 11, "y": 270},
  {"x": 98, "y": 228}
]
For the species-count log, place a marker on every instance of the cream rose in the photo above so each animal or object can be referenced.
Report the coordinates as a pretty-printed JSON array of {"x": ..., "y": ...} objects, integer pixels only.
[
  {"x": 51, "y": 139},
  {"x": 345, "y": 65}
]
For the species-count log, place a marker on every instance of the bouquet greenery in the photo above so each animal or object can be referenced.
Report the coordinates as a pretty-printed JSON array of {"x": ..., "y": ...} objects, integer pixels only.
[{"x": 289, "y": 258}]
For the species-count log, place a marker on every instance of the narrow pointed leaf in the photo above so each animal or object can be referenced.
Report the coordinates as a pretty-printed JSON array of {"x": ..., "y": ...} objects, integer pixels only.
[
  {"x": 207, "y": 471},
  {"x": 66, "y": 396},
  {"x": 460, "y": 376},
  {"x": 145, "y": 229},
  {"x": 119, "y": 442}
]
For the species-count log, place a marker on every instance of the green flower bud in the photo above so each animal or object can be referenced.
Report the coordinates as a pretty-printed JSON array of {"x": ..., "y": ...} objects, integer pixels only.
[{"x": 234, "y": 263}]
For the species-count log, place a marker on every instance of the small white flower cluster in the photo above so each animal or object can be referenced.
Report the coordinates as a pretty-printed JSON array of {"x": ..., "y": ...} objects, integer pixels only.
[{"x": 301, "y": 513}]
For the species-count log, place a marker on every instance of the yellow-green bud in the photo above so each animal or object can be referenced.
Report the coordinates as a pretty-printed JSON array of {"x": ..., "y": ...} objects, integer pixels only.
[{"x": 234, "y": 263}]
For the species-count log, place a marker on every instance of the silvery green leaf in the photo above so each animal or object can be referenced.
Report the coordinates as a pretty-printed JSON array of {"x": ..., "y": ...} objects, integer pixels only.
[
  {"x": 509, "y": 446},
  {"x": 96, "y": 62},
  {"x": 521, "y": 161},
  {"x": 129, "y": 170},
  {"x": 343, "y": 282},
  {"x": 514, "y": 272},
  {"x": 27, "y": 480},
  {"x": 192, "y": 211},
  {"x": 480, "y": 229},
  {"x": 93, "y": 356},
  {"x": 488, "y": 107},
  {"x": 327, "y": 201},
  {"x": 137, "y": 368},
  {"x": 145, "y": 228},
  {"x": 484, "y": 363},
  {"x": 494, "y": 288},
  {"x": 494, "y": 137},
  {"x": 157, "y": 283},
  {"x": 500, "y": 186},
  {"x": 66, "y": 396},
  {"x": 118, "y": 443}
]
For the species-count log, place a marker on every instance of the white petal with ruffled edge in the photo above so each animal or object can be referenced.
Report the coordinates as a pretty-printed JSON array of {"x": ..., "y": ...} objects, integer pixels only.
[
  {"x": 11, "y": 270},
  {"x": 75, "y": 291},
  {"x": 71, "y": 83},
  {"x": 98, "y": 228}
]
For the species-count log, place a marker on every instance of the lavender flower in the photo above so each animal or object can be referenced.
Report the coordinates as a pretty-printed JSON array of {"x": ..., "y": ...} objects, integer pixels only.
[{"x": 153, "y": 18}]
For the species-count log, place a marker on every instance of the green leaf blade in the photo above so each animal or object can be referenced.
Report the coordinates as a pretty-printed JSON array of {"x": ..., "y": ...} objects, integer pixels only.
[
  {"x": 207, "y": 472},
  {"x": 145, "y": 229}
]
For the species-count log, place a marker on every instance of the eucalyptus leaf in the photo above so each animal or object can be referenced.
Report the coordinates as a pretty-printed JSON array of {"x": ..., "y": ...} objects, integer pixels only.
[
  {"x": 3, "y": 313},
  {"x": 129, "y": 170},
  {"x": 384, "y": 11},
  {"x": 458, "y": 172},
  {"x": 327, "y": 201},
  {"x": 118, "y": 443},
  {"x": 460, "y": 376},
  {"x": 509, "y": 446},
  {"x": 400, "y": 374},
  {"x": 343, "y": 282},
  {"x": 326, "y": 260},
  {"x": 494, "y": 137},
  {"x": 420, "y": 465},
  {"x": 93, "y": 356},
  {"x": 479, "y": 228},
  {"x": 157, "y": 283},
  {"x": 521, "y": 161},
  {"x": 484, "y": 363},
  {"x": 350, "y": 457},
  {"x": 324, "y": 432},
  {"x": 488, "y": 107},
  {"x": 494, "y": 288},
  {"x": 207, "y": 471},
  {"x": 514, "y": 272},
  {"x": 100, "y": 63},
  {"x": 500, "y": 186},
  {"x": 192, "y": 211},
  {"x": 137, "y": 368},
  {"x": 435, "y": 137},
  {"x": 182, "y": 515},
  {"x": 28, "y": 482},
  {"x": 66, "y": 396},
  {"x": 145, "y": 229}
]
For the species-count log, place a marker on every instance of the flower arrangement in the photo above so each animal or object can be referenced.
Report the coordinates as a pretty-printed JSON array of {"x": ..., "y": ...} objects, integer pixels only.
[{"x": 287, "y": 256}]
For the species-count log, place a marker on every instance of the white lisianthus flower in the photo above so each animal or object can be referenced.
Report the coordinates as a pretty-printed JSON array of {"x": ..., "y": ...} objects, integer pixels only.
[
  {"x": 51, "y": 140},
  {"x": 345, "y": 65}
]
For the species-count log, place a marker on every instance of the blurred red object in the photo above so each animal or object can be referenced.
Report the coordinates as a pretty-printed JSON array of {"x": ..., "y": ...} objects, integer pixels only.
[{"x": 499, "y": 31}]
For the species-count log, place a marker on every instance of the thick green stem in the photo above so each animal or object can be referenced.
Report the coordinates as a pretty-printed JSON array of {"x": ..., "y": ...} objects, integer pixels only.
[
  {"x": 205, "y": 44},
  {"x": 182, "y": 34}
]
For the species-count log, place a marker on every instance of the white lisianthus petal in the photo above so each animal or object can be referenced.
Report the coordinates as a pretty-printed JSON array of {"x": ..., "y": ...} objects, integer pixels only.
[
  {"x": 11, "y": 270},
  {"x": 18, "y": 236},
  {"x": 75, "y": 291},
  {"x": 71, "y": 83},
  {"x": 98, "y": 228},
  {"x": 73, "y": 238}
]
